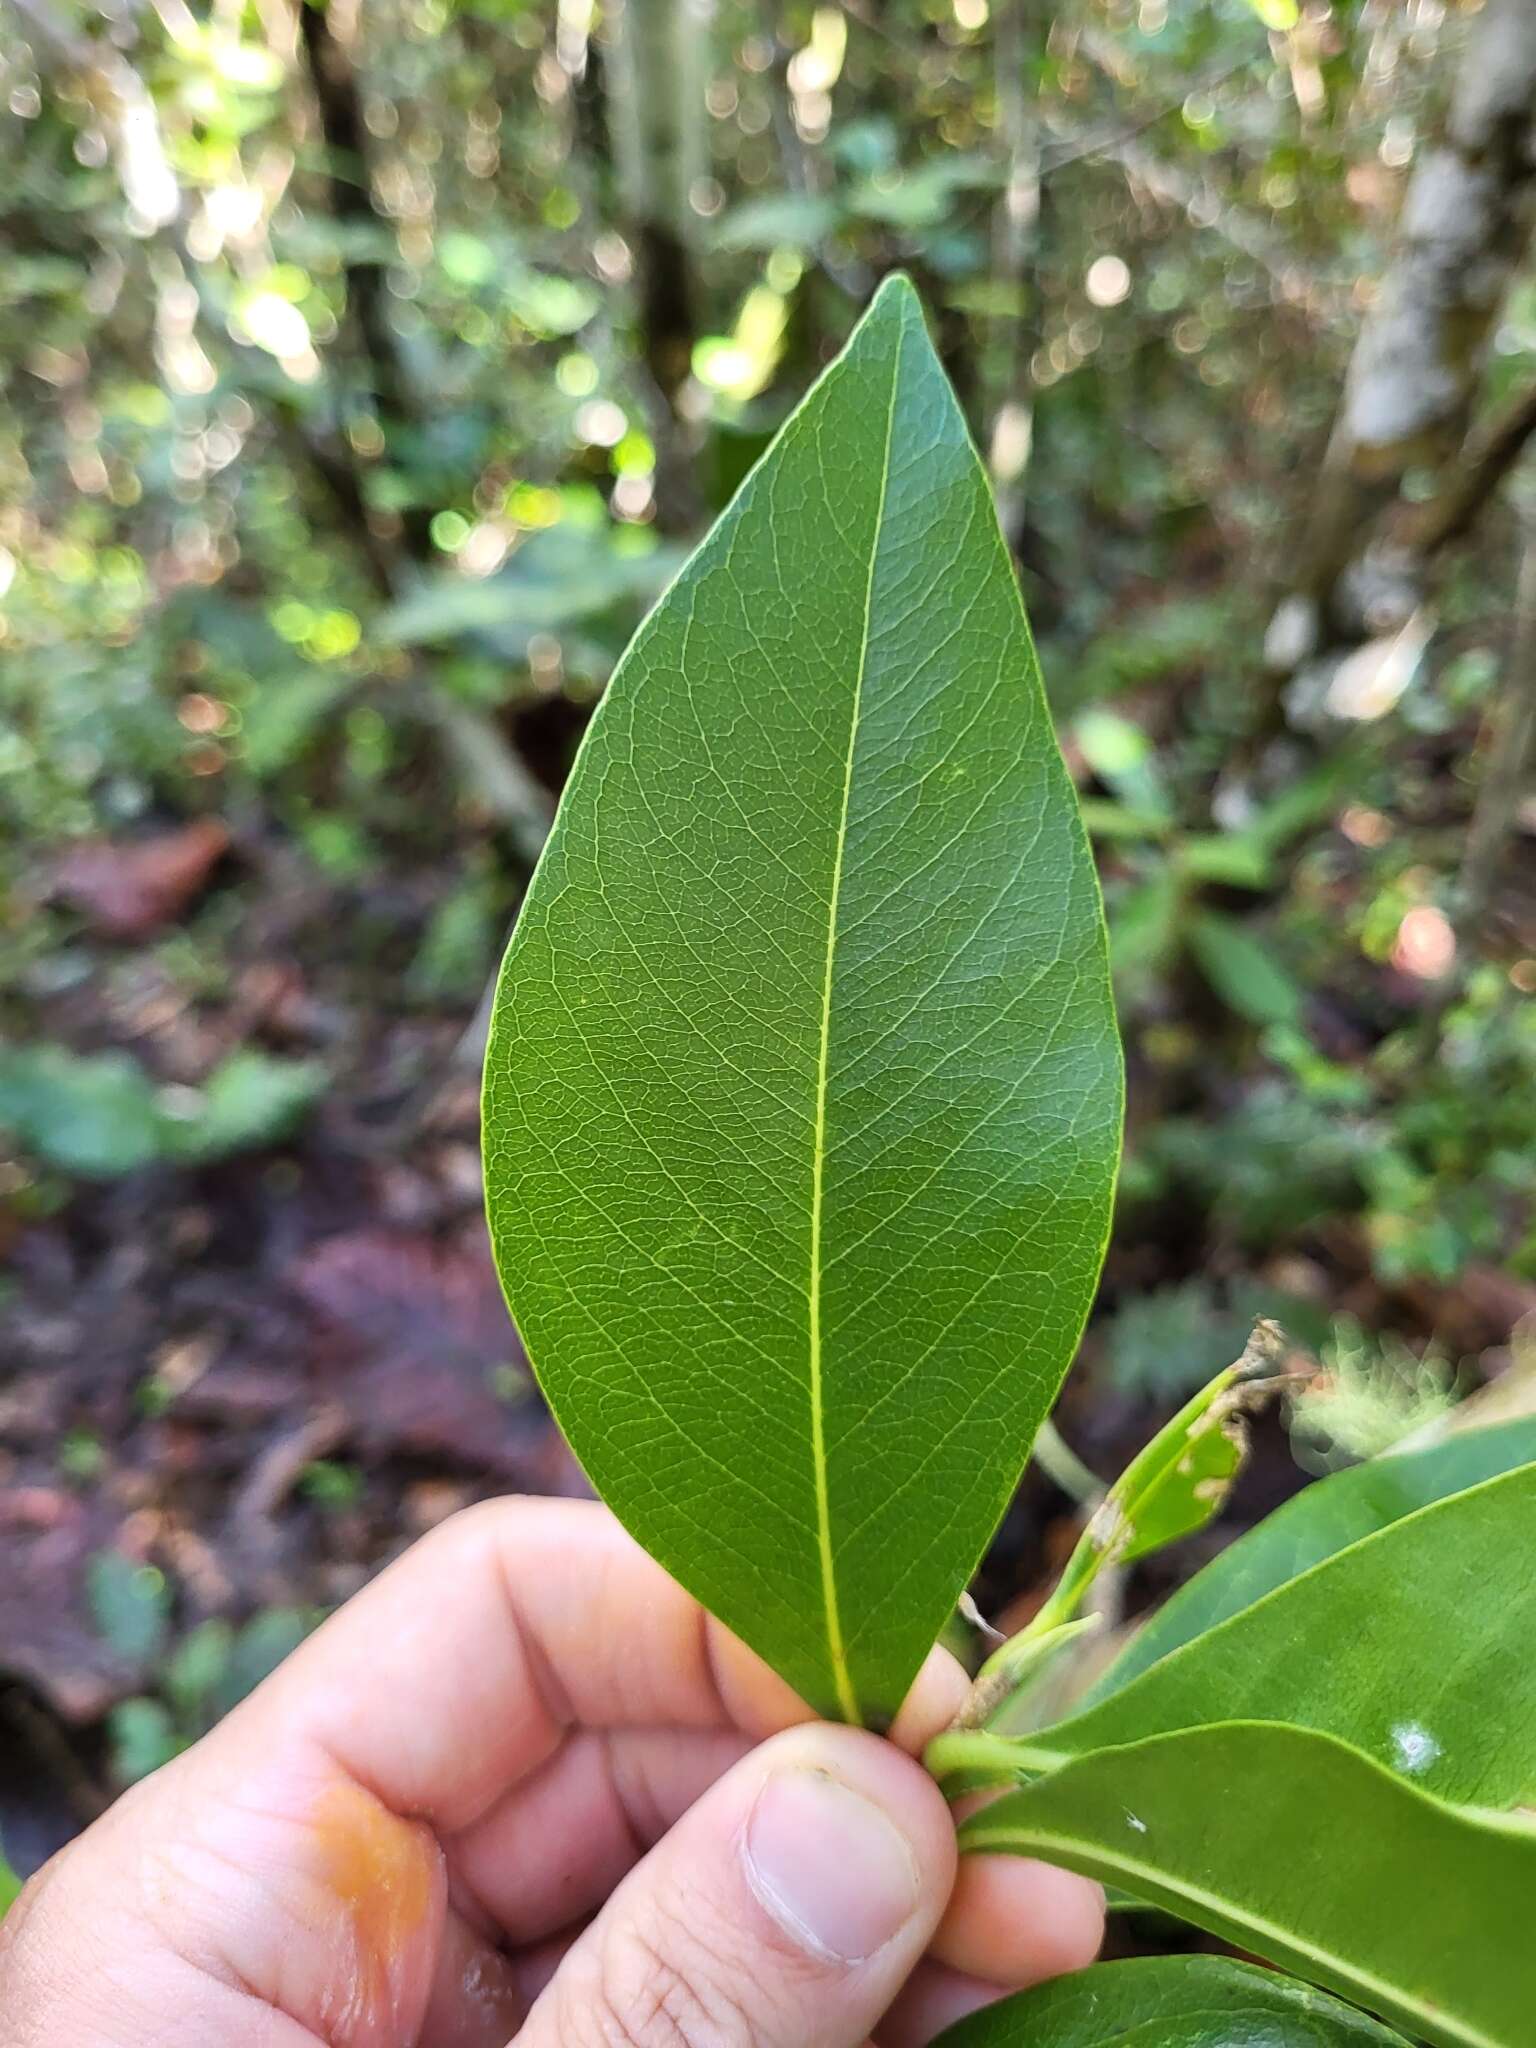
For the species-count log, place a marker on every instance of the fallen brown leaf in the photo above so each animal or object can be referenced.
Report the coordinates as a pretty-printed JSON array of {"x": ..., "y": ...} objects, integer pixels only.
[
  {"x": 415, "y": 1341},
  {"x": 128, "y": 889}
]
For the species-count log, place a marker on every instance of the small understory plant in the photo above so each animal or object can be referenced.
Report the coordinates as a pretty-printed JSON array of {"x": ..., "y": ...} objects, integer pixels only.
[{"x": 802, "y": 1114}]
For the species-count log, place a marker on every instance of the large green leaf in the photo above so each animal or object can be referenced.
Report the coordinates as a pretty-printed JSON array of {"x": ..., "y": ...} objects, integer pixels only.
[
  {"x": 1320, "y": 1521},
  {"x": 1170, "y": 2002},
  {"x": 1296, "y": 1847},
  {"x": 1399, "y": 1645},
  {"x": 803, "y": 1093}
]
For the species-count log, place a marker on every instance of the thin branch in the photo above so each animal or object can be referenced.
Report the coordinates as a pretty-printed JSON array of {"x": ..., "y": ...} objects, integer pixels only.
[
  {"x": 334, "y": 466},
  {"x": 334, "y": 81},
  {"x": 1491, "y": 452},
  {"x": 1413, "y": 377},
  {"x": 655, "y": 53},
  {"x": 1018, "y": 220},
  {"x": 485, "y": 762},
  {"x": 1065, "y": 1469},
  {"x": 1198, "y": 199},
  {"x": 1112, "y": 141},
  {"x": 1510, "y": 749}
]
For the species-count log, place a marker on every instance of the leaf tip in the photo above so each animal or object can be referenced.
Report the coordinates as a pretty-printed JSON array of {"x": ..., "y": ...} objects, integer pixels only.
[{"x": 895, "y": 301}]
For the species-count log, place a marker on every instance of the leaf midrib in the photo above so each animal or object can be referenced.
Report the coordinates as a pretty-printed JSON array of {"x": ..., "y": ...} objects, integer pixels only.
[
  {"x": 1109, "y": 1864},
  {"x": 847, "y": 1698}
]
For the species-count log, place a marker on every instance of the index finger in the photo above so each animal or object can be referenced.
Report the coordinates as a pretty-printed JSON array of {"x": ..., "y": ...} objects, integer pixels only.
[{"x": 461, "y": 1669}]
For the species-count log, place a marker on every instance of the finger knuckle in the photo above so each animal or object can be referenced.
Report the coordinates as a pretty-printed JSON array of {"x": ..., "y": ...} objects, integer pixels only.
[{"x": 471, "y": 1530}]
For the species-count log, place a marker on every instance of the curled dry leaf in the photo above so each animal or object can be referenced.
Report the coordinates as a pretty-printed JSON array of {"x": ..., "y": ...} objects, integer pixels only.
[
  {"x": 414, "y": 1341},
  {"x": 126, "y": 890}
]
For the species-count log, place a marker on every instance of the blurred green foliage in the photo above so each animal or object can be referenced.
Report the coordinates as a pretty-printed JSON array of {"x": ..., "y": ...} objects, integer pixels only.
[
  {"x": 340, "y": 455},
  {"x": 101, "y": 1115},
  {"x": 202, "y": 1676},
  {"x": 194, "y": 1675}
]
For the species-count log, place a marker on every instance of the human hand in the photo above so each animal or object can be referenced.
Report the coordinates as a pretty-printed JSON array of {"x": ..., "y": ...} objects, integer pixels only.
[{"x": 522, "y": 1787}]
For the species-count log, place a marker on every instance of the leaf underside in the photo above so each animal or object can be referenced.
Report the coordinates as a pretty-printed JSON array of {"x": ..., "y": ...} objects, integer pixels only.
[
  {"x": 803, "y": 1092},
  {"x": 1170, "y": 2002}
]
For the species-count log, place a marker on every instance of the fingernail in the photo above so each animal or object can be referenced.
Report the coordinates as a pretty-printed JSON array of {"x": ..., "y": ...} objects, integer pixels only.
[{"x": 837, "y": 1876}]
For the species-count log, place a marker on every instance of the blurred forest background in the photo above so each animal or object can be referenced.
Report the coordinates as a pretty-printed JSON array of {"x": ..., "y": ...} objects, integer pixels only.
[{"x": 366, "y": 369}]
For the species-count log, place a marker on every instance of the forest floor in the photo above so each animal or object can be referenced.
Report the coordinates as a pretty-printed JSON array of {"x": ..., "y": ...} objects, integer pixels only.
[{"x": 233, "y": 1390}]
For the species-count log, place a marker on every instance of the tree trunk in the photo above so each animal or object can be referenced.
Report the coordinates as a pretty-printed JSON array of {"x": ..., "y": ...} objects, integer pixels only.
[
  {"x": 656, "y": 73},
  {"x": 1509, "y": 750},
  {"x": 327, "y": 36},
  {"x": 1016, "y": 224},
  {"x": 1414, "y": 376}
]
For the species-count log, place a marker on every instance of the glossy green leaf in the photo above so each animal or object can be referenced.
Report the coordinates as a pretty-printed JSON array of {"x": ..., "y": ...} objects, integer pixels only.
[
  {"x": 1294, "y": 1846},
  {"x": 1170, "y": 2002},
  {"x": 803, "y": 1093},
  {"x": 1317, "y": 1523},
  {"x": 1396, "y": 1645}
]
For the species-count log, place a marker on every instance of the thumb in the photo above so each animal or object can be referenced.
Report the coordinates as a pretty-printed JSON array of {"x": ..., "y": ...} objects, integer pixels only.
[{"x": 784, "y": 1910}]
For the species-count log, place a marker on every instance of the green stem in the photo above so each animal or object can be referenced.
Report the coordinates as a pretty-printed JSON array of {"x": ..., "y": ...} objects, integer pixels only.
[
  {"x": 1165, "y": 1492},
  {"x": 1011, "y": 1670},
  {"x": 1061, "y": 1464},
  {"x": 981, "y": 1759}
]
